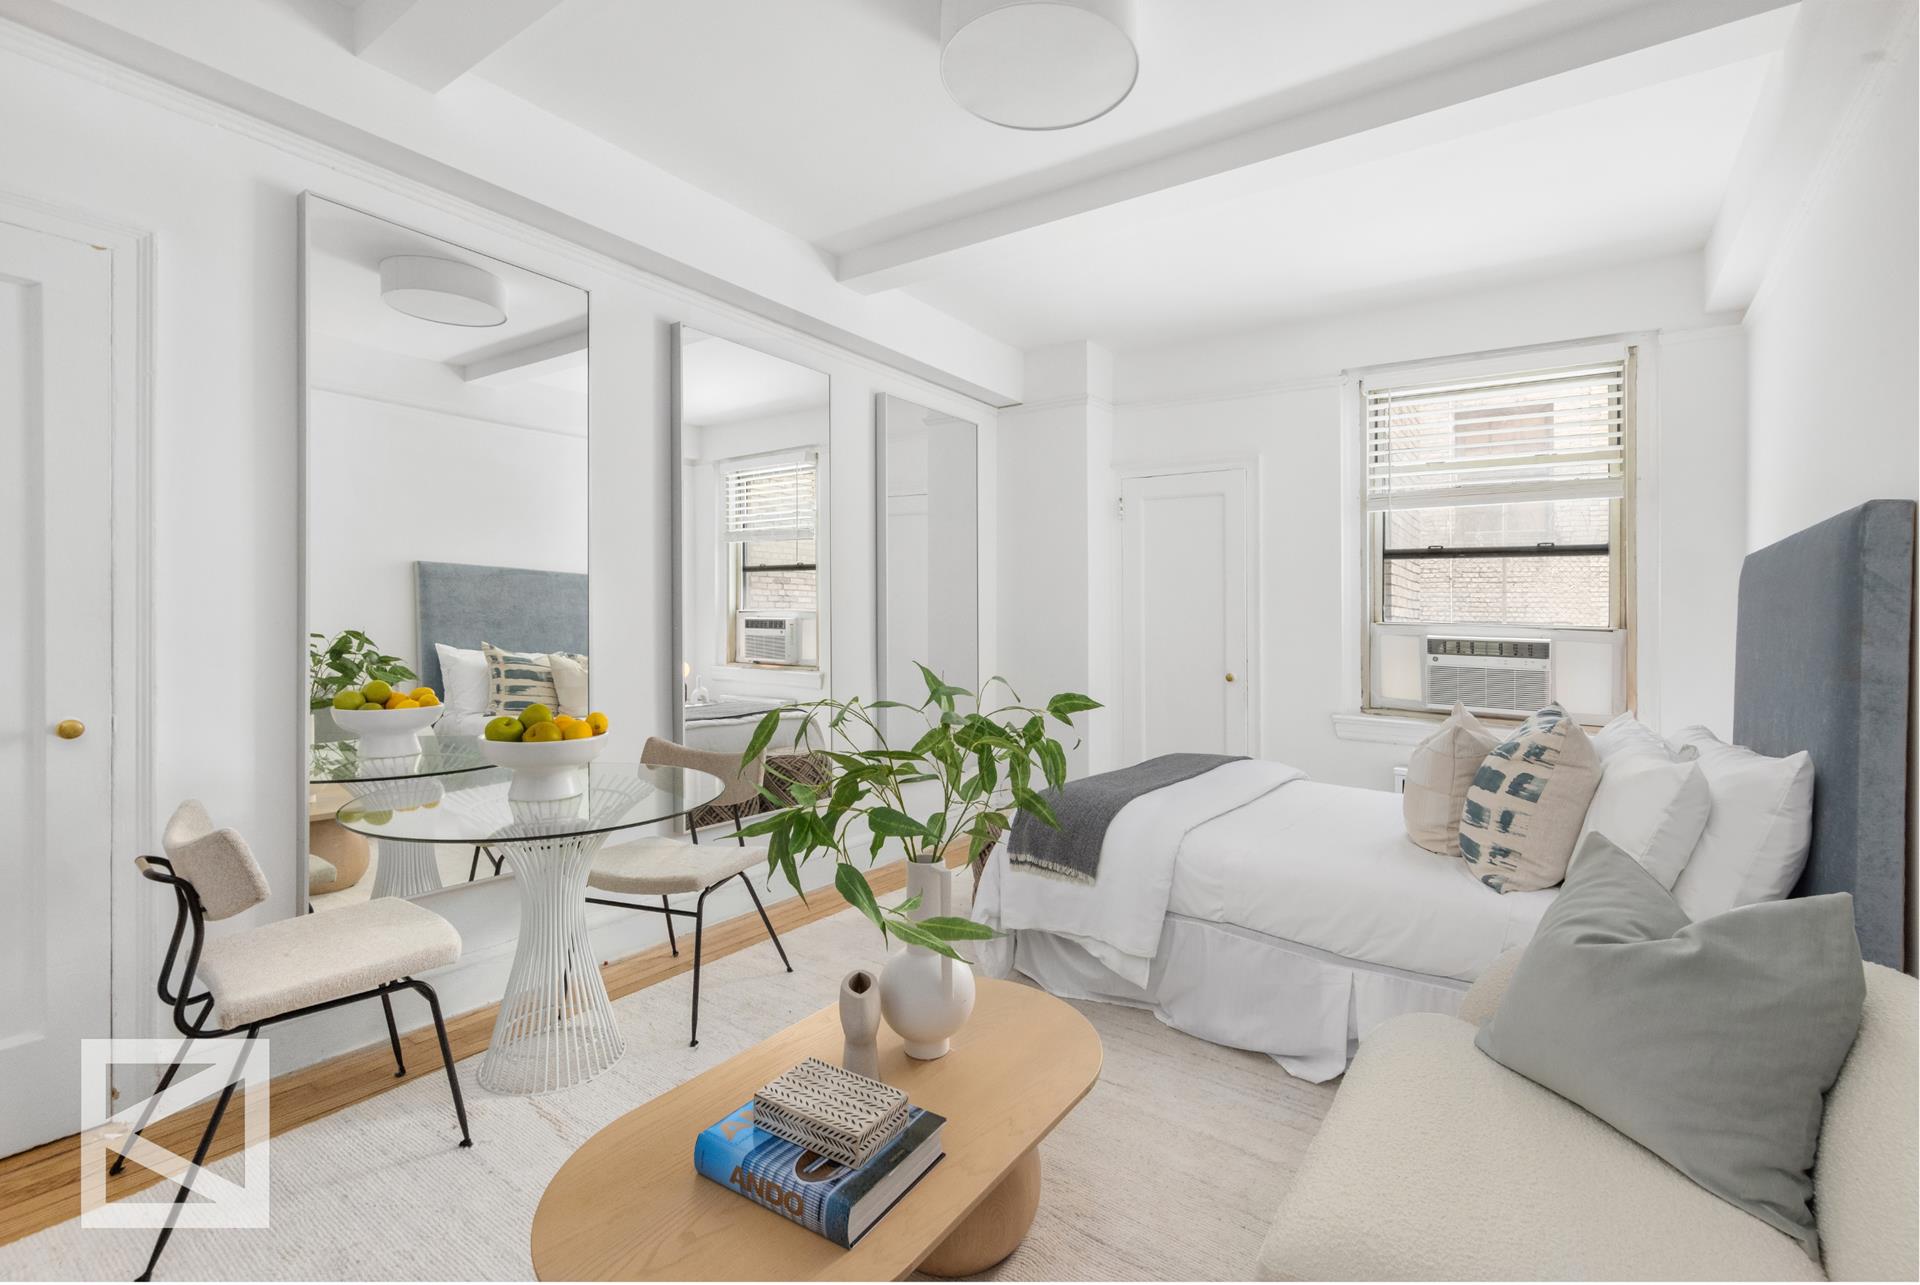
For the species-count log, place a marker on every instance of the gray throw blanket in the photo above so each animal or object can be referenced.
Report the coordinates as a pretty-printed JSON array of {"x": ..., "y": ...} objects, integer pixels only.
[{"x": 1085, "y": 808}]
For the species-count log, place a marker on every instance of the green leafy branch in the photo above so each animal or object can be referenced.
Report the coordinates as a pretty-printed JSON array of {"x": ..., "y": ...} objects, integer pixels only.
[
  {"x": 348, "y": 659},
  {"x": 986, "y": 762}
]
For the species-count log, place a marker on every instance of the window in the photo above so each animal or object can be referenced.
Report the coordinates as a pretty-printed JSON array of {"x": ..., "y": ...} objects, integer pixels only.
[
  {"x": 769, "y": 508},
  {"x": 1496, "y": 505}
]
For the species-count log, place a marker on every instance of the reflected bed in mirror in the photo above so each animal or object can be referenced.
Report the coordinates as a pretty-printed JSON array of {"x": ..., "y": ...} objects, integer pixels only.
[
  {"x": 445, "y": 415},
  {"x": 751, "y": 437},
  {"x": 929, "y": 554}
]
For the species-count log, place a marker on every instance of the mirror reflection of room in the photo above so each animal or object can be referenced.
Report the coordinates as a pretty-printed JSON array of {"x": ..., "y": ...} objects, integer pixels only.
[
  {"x": 753, "y": 434},
  {"x": 929, "y": 556},
  {"x": 446, "y": 564}
]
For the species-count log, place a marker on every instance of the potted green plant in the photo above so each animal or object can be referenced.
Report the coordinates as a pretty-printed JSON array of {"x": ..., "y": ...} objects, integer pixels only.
[
  {"x": 983, "y": 762},
  {"x": 348, "y": 659}
]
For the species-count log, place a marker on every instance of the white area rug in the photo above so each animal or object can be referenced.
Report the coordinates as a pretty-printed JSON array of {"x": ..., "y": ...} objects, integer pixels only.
[{"x": 1170, "y": 1169}]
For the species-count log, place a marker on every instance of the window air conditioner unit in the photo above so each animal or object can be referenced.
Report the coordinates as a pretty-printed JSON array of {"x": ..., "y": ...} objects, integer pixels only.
[
  {"x": 772, "y": 637},
  {"x": 1492, "y": 675}
]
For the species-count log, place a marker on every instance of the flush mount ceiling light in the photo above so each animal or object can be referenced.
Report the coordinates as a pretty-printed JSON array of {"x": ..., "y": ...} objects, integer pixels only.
[
  {"x": 443, "y": 290},
  {"x": 1038, "y": 64}
]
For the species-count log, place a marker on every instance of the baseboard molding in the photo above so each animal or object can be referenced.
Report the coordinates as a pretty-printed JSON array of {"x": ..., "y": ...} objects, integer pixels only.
[{"x": 40, "y": 1188}]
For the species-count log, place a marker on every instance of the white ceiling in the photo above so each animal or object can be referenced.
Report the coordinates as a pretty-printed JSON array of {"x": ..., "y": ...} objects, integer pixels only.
[
  {"x": 722, "y": 382},
  {"x": 1278, "y": 159}
]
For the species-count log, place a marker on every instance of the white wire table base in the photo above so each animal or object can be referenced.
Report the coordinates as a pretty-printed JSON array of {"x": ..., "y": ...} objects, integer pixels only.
[
  {"x": 404, "y": 868},
  {"x": 556, "y": 1026}
]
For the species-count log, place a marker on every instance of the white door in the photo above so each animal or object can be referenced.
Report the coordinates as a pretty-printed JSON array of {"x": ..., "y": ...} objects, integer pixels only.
[
  {"x": 55, "y": 665},
  {"x": 1185, "y": 606}
]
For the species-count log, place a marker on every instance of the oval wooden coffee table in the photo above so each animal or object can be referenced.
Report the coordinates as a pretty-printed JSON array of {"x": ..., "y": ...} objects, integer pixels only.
[{"x": 629, "y": 1206}]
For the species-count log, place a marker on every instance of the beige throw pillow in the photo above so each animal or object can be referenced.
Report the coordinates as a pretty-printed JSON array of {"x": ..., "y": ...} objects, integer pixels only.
[
  {"x": 1527, "y": 803},
  {"x": 1438, "y": 774},
  {"x": 570, "y": 682}
]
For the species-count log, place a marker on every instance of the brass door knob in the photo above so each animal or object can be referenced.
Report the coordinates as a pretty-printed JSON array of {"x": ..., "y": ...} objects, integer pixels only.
[
  {"x": 70, "y": 729},
  {"x": 1229, "y": 677}
]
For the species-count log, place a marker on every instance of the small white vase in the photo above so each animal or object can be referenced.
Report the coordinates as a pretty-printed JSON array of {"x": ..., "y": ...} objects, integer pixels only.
[
  {"x": 860, "y": 1021},
  {"x": 925, "y": 996}
]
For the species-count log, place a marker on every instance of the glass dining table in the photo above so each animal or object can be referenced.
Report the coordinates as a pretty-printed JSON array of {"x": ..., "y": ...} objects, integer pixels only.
[
  {"x": 556, "y": 1026},
  {"x": 405, "y": 869}
]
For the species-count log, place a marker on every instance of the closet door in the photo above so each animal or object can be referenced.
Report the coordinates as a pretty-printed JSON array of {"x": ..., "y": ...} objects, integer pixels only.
[
  {"x": 56, "y": 657},
  {"x": 1186, "y": 606}
]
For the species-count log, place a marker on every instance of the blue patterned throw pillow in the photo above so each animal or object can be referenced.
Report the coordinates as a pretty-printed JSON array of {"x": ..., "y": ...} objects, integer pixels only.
[
  {"x": 517, "y": 680},
  {"x": 1527, "y": 803}
]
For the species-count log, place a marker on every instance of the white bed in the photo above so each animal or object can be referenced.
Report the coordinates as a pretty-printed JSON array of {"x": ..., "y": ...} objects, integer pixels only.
[{"x": 1258, "y": 909}]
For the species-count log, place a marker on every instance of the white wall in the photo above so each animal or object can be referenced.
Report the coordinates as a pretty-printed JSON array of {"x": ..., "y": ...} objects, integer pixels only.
[
  {"x": 1832, "y": 334},
  {"x": 1274, "y": 398},
  {"x": 219, "y": 197},
  {"x": 391, "y": 485}
]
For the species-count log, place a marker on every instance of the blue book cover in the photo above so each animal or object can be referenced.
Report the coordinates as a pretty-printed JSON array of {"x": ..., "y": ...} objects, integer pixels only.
[{"x": 823, "y": 1196}]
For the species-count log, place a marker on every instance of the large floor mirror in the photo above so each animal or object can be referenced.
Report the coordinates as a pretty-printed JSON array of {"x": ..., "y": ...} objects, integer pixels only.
[
  {"x": 750, "y": 439},
  {"x": 929, "y": 554},
  {"x": 445, "y": 476}
]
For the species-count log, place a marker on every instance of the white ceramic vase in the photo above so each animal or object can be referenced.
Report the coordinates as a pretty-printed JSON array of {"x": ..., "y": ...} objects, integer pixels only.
[
  {"x": 925, "y": 996},
  {"x": 860, "y": 1020}
]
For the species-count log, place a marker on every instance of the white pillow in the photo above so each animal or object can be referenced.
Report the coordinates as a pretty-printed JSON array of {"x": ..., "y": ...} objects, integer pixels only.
[
  {"x": 1628, "y": 735},
  {"x": 1756, "y": 839},
  {"x": 464, "y": 685},
  {"x": 1651, "y": 808},
  {"x": 570, "y": 682}
]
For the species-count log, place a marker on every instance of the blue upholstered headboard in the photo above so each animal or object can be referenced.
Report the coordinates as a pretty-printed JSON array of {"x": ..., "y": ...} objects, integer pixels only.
[
  {"x": 510, "y": 607},
  {"x": 1824, "y": 664}
]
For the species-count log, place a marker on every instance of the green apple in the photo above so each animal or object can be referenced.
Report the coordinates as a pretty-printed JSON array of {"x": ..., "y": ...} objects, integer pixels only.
[
  {"x": 505, "y": 728},
  {"x": 376, "y": 692},
  {"x": 349, "y": 700},
  {"x": 535, "y": 714}
]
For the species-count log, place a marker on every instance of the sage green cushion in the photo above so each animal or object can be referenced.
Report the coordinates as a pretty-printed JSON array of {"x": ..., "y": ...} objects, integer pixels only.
[{"x": 1711, "y": 1044}]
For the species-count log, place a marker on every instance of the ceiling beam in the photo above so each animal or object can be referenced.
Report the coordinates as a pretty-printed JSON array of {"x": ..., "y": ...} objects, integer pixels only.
[
  {"x": 529, "y": 360},
  {"x": 1837, "y": 56},
  {"x": 1478, "y": 80},
  {"x": 432, "y": 43}
]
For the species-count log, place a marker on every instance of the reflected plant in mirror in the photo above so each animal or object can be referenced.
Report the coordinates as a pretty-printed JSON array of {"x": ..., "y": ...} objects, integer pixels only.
[
  {"x": 983, "y": 761},
  {"x": 347, "y": 660}
]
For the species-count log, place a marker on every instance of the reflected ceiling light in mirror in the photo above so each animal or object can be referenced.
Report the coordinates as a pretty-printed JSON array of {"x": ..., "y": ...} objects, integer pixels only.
[
  {"x": 1038, "y": 64},
  {"x": 443, "y": 290}
]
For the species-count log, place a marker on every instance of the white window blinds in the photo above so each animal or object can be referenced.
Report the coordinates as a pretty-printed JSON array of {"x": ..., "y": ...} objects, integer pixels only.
[
  {"x": 770, "y": 500},
  {"x": 1537, "y": 435}
]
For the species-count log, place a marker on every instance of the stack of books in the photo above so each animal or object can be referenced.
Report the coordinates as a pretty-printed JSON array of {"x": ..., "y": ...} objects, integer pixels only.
[{"x": 823, "y": 1147}]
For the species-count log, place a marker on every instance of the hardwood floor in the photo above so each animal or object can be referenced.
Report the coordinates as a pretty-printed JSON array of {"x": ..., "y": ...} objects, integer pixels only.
[{"x": 41, "y": 1187}]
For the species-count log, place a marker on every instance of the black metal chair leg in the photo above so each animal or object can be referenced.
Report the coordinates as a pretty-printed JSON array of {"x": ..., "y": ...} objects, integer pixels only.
[
  {"x": 768, "y": 922},
  {"x": 446, "y": 1056},
  {"x": 393, "y": 1034},
  {"x": 473, "y": 867},
  {"x": 671, "y": 943},
  {"x": 699, "y": 922},
  {"x": 146, "y": 1112},
  {"x": 199, "y": 1158}
]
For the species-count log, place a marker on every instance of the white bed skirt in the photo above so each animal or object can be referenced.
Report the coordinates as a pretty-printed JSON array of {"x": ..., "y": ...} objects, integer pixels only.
[{"x": 1305, "y": 1008}]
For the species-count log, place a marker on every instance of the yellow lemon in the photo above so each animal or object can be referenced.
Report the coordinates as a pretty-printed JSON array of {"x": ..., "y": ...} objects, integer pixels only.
[
  {"x": 565, "y": 721},
  {"x": 598, "y": 722},
  {"x": 406, "y": 704},
  {"x": 577, "y": 730},
  {"x": 427, "y": 699},
  {"x": 547, "y": 731},
  {"x": 393, "y": 701}
]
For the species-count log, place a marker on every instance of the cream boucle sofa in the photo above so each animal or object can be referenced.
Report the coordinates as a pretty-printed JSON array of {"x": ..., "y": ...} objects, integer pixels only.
[{"x": 1438, "y": 1163}]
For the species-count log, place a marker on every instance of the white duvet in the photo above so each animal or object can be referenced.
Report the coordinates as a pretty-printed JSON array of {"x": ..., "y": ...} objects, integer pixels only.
[{"x": 1256, "y": 846}]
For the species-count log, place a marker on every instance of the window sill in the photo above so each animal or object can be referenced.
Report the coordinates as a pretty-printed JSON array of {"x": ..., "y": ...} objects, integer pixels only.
[{"x": 1385, "y": 729}]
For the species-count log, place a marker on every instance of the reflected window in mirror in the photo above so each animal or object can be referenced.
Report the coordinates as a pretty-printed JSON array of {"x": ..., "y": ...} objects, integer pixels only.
[
  {"x": 446, "y": 481},
  {"x": 755, "y": 555}
]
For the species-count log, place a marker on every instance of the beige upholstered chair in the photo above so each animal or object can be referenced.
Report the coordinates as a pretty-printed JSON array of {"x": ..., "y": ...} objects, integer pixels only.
[
  {"x": 660, "y": 866},
  {"x": 285, "y": 969}
]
